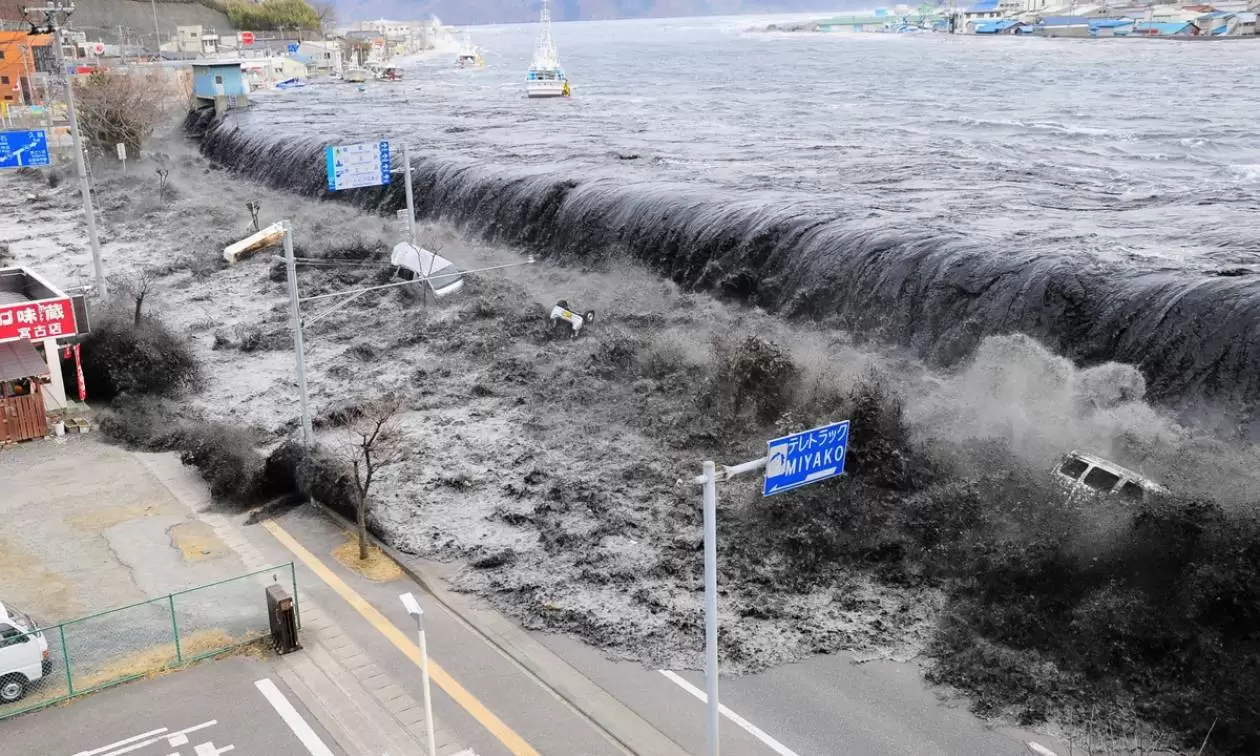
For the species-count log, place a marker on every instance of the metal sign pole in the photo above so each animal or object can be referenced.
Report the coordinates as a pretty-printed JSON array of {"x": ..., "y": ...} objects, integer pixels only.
[
  {"x": 411, "y": 203},
  {"x": 290, "y": 263}
]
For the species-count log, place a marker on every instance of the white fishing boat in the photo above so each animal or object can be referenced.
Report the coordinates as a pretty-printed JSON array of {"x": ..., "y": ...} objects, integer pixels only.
[
  {"x": 355, "y": 75},
  {"x": 546, "y": 77},
  {"x": 468, "y": 56}
]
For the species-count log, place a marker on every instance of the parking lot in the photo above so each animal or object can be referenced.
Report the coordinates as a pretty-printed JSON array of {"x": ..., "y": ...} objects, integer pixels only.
[{"x": 236, "y": 705}]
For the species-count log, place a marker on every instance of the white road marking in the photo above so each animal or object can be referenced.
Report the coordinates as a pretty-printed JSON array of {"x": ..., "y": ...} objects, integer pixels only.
[
  {"x": 122, "y": 742},
  {"x": 751, "y": 728},
  {"x": 146, "y": 743},
  {"x": 1039, "y": 749},
  {"x": 208, "y": 749},
  {"x": 176, "y": 740},
  {"x": 291, "y": 717}
]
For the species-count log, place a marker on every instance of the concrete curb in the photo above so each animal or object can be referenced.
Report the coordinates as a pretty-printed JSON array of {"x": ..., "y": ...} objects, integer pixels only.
[{"x": 618, "y": 722}]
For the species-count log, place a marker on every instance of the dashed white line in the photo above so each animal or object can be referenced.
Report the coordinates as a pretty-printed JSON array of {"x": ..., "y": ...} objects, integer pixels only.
[
  {"x": 291, "y": 717},
  {"x": 751, "y": 728}
]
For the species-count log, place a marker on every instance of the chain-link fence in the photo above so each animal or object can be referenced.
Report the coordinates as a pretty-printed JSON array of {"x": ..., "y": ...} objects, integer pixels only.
[{"x": 44, "y": 665}]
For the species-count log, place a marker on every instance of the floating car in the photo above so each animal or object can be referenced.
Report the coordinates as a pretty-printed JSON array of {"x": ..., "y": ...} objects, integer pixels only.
[
  {"x": 412, "y": 262},
  {"x": 562, "y": 314},
  {"x": 1085, "y": 474}
]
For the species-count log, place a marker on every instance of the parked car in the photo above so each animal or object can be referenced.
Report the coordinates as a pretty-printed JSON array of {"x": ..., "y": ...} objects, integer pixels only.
[
  {"x": 1085, "y": 474},
  {"x": 23, "y": 654},
  {"x": 412, "y": 262}
]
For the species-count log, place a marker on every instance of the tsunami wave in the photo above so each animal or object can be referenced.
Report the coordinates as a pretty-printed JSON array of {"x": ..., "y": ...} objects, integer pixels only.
[{"x": 1194, "y": 334}]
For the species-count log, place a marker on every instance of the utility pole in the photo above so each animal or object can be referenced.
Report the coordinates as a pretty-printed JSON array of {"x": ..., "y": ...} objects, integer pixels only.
[
  {"x": 157, "y": 32},
  {"x": 55, "y": 14}
]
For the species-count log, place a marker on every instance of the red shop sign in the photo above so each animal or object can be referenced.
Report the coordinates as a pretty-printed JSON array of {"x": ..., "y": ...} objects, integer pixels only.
[{"x": 45, "y": 319}]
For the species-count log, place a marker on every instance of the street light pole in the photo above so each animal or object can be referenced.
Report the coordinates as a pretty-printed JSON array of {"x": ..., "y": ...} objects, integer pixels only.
[
  {"x": 54, "y": 15},
  {"x": 417, "y": 613}
]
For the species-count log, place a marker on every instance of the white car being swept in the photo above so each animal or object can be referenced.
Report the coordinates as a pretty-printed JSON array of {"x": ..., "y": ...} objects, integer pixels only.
[
  {"x": 23, "y": 654},
  {"x": 412, "y": 262}
]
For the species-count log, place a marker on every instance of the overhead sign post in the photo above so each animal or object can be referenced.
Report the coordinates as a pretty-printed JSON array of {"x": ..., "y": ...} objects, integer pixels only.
[
  {"x": 790, "y": 462},
  {"x": 354, "y": 166},
  {"x": 24, "y": 149}
]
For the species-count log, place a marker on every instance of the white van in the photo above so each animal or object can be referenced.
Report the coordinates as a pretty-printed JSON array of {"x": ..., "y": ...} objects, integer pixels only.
[
  {"x": 1086, "y": 474},
  {"x": 412, "y": 262},
  {"x": 23, "y": 654}
]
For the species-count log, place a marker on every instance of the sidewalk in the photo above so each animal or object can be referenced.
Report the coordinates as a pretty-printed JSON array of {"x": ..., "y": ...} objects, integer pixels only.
[{"x": 343, "y": 685}]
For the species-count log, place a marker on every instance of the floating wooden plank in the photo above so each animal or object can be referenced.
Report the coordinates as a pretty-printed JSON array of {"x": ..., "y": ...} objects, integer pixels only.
[{"x": 254, "y": 243}]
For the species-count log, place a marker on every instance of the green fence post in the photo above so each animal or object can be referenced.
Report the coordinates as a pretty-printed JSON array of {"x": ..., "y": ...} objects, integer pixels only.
[
  {"x": 297, "y": 614},
  {"x": 179, "y": 655},
  {"x": 65, "y": 659}
]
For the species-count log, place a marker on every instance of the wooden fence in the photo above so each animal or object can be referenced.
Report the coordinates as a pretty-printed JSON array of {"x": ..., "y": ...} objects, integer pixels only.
[{"x": 23, "y": 417}]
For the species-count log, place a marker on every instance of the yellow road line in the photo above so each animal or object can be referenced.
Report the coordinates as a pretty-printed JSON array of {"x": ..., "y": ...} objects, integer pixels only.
[{"x": 510, "y": 740}]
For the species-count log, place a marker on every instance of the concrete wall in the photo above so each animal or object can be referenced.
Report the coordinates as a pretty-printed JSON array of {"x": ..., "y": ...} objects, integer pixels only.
[{"x": 100, "y": 19}]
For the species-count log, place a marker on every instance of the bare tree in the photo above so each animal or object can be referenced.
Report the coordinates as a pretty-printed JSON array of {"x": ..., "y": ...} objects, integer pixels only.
[
  {"x": 137, "y": 288},
  {"x": 124, "y": 107},
  {"x": 377, "y": 441}
]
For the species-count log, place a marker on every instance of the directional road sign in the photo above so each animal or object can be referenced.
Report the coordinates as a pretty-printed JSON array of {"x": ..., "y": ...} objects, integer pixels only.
[
  {"x": 292, "y": 47},
  {"x": 351, "y": 166},
  {"x": 806, "y": 457},
  {"x": 24, "y": 149}
]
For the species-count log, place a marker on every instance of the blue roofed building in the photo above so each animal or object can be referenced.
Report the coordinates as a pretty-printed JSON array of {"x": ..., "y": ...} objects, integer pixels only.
[
  {"x": 1165, "y": 29},
  {"x": 1001, "y": 26},
  {"x": 1110, "y": 27}
]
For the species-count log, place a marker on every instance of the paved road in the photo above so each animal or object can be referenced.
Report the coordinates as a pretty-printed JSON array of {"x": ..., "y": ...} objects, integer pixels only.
[
  {"x": 822, "y": 706},
  {"x": 539, "y": 717},
  {"x": 207, "y": 710}
]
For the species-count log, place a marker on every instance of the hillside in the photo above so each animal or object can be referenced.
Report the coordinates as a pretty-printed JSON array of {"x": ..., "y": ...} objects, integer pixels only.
[
  {"x": 507, "y": 11},
  {"x": 100, "y": 19}
]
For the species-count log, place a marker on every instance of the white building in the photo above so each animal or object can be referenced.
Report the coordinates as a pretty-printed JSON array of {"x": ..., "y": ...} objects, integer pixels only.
[
  {"x": 392, "y": 30},
  {"x": 320, "y": 57}
]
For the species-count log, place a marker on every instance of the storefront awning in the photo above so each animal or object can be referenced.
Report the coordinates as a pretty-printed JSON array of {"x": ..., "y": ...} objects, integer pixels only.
[{"x": 18, "y": 359}]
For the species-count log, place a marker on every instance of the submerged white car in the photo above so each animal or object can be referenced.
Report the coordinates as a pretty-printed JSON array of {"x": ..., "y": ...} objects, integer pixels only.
[
  {"x": 1085, "y": 474},
  {"x": 23, "y": 654},
  {"x": 412, "y": 262}
]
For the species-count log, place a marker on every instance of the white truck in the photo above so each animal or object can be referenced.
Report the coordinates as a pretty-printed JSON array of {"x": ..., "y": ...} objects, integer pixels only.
[{"x": 23, "y": 654}]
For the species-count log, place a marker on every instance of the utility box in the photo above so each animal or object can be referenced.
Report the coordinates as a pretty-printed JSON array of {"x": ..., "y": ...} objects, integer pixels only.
[{"x": 284, "y": 630}]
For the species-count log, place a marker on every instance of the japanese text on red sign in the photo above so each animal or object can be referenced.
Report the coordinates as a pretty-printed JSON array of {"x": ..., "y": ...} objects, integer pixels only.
[{"x": 37, "y": 320}]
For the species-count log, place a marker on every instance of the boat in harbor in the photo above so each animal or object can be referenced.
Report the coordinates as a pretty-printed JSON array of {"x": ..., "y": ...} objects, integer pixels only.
[
  {"x": 390, "y": 73},
  {"x": 468, "y": 56},
  {"x": 546, "y": 77},
  {"x": 355, "y": 75}
]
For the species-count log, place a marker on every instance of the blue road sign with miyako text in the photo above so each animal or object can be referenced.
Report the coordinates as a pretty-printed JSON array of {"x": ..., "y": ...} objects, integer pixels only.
[
  {"x": 292, "y": 47},
  {"x": 24, "y": 149},
  {"x": 806, "y": 457},
  {"x": 353, "y": 166}
]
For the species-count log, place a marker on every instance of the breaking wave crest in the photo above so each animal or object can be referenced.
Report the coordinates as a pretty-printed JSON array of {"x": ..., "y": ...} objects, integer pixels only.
[{"x": 1193, "y": 334}]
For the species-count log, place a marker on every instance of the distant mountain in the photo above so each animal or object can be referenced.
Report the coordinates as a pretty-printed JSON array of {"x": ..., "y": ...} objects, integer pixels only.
[{"x": 460, "y": 12}]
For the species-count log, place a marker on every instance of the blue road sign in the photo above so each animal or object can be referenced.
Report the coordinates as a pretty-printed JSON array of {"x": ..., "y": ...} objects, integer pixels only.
[
  {"x": 293, "y": 47},
  {"x": 807, "y": 457},
  {"x": 24, "y": 149},
  {"x": 352, "y": 166}
]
